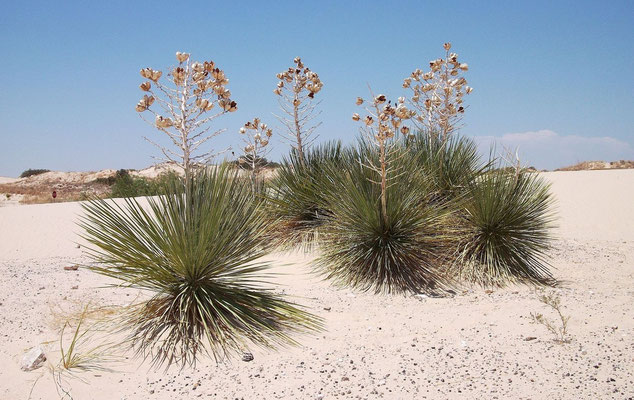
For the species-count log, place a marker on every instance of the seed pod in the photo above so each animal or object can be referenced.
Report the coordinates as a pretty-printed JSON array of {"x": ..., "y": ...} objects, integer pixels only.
[
  {"x": 380, "y": 99},
  {"x": 182, "y": 57},
  {"x": 209, "y": 66}
]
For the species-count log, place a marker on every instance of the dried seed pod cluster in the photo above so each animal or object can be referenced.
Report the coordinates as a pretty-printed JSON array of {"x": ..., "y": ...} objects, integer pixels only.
[
  {"x": 205, "y": 79},
  {"x": 385, "y": 118},
  {"x": 382, "y": 121},
  {"x": 438, "y": 93},
  {"x": 256, "y": 139},
  {"x": 184, "y": 101},
  {"x": 299, "y": 78}
]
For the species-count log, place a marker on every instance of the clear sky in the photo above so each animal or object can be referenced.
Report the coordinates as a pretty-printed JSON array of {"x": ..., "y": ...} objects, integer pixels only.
[{"x": 554, "y": 77}]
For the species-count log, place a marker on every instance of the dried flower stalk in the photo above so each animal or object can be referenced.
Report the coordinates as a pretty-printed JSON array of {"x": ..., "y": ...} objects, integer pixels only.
[
  {"x": 194, "y": 89},
  {"x": 256, "y": 139},
  {"x": 438, "y": 94},
  {"x": 380, "y": 124},
  {"x": 297, "y": 88}
]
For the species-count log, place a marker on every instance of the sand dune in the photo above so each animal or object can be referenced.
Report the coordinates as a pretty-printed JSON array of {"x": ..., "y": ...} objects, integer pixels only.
[{"x": 391, "y": 347}]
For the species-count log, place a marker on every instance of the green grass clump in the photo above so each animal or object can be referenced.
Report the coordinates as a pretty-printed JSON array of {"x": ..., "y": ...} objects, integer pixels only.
[{"x": 195, "y": 249}]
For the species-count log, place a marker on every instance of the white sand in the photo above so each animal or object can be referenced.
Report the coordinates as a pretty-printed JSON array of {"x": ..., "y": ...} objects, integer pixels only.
[{"x": 390, "y": 347}]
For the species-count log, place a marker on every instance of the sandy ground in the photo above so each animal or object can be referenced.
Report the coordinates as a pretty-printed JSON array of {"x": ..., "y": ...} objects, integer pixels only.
[{"x": 392, "y": 347}]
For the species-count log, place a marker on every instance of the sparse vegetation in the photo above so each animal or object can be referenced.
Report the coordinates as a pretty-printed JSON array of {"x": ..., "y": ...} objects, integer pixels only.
[
  {"x": 82, "y": 354},
  {"x": 560, "y": 328},
  {"x": 598, "y": 165},
  {"x": 399, "y": 211}
]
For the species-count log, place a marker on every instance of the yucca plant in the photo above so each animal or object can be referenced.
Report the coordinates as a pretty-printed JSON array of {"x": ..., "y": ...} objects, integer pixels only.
[
  {"x": 194, "y": 251},
  {"x": 508, "y": 219},
  {"x": 405, "y": 246},
  {"x": 295, "y": 199}
]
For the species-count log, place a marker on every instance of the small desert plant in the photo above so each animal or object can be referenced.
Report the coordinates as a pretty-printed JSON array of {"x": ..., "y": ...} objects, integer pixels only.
[
  {"x": 33, "y": 172},
  {"x": 507, "y": 218},
  {"x": 194, "y": 247},
  {"x": 87, "y": 351},
  {"x": 559, "y": 330},
  {"x": 194, "y": 250},
  {"x": 297, "y": 87},
  {"x": 438, "y": 94},
  {"x": 80, "y": 355},
  {"x": 256, "y": 139}
]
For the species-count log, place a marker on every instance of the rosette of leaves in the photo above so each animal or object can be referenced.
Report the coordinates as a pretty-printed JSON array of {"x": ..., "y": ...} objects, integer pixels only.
[{"x": 195, "y": 251}]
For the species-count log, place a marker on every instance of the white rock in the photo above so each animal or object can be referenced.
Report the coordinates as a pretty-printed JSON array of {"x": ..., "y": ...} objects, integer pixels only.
[{"x": 33, "y": 359}]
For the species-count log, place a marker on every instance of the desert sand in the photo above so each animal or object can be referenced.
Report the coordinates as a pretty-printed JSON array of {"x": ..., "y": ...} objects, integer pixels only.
[{"x": 471, "y": 345}]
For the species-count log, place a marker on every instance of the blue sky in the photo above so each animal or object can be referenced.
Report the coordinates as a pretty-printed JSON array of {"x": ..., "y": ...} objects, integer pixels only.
[{"x": 554, "y": 78}]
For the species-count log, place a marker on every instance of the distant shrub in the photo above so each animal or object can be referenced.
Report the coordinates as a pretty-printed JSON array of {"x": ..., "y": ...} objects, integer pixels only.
[
  {"x": 125, "y": 185},
  {"x": 110, "y": 180},
  {"x": 33, "y": 172}
]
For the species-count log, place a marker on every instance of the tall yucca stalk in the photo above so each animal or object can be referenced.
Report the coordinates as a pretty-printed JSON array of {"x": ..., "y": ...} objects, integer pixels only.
[
  {"x": 381, "y": 125},
  {"x": 296, "y": 88},
  {"x": 194, "y": 251}
]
